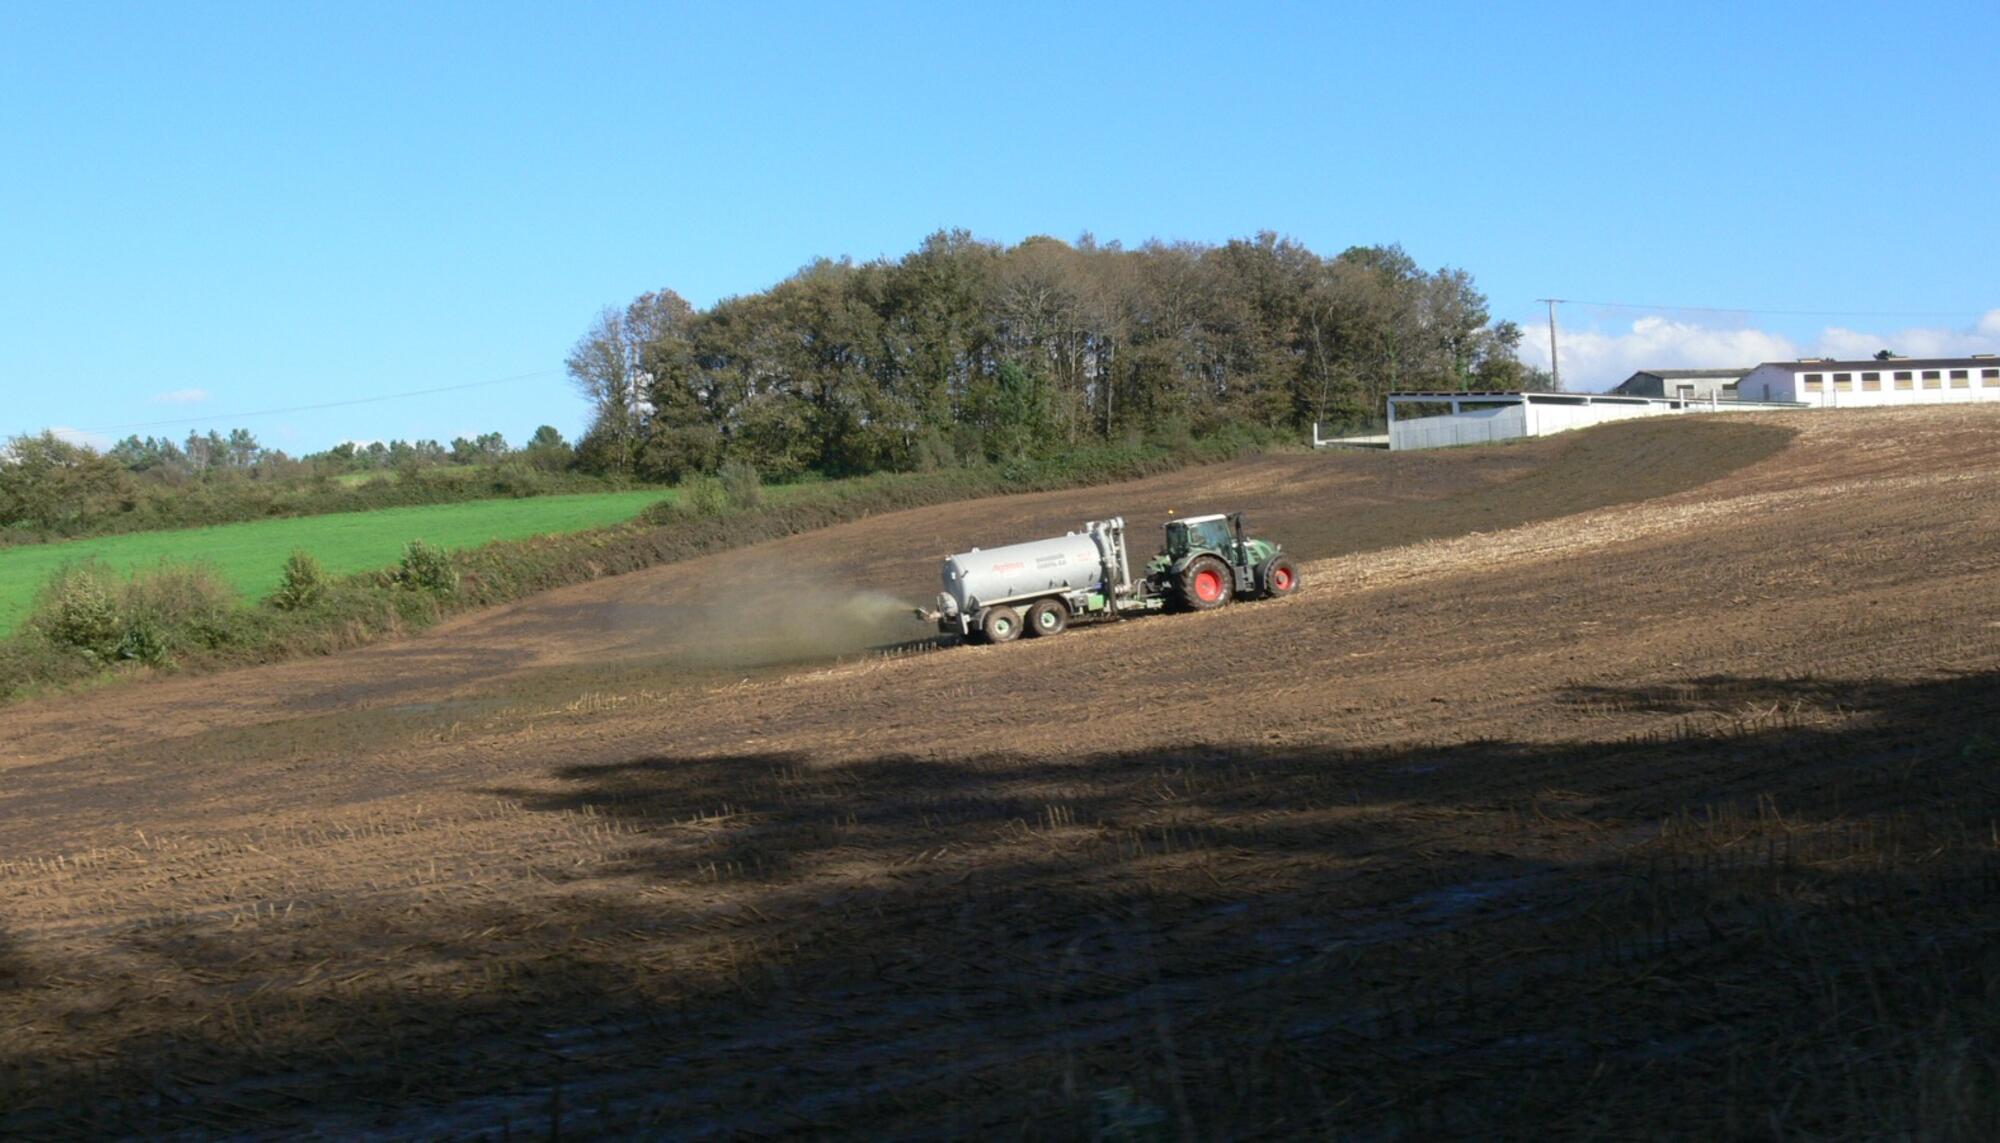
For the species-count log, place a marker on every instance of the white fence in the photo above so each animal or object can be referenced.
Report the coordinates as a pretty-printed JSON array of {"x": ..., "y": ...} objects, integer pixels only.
[{"x": 1481, "y": 418}]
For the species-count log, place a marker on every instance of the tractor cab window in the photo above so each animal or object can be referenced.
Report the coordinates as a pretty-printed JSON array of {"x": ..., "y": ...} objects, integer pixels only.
[
  {"x": 1211, "y": 534},
  {"x": 1201, "y": 536}
]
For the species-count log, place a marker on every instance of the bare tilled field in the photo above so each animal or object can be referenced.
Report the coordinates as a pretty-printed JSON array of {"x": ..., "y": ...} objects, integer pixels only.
[{"x": 1643, "y": 782}]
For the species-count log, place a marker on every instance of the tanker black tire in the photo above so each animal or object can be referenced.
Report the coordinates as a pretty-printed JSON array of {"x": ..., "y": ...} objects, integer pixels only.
[
  {"x": 1001, "y": 625},
  {"x": 1279, "y": 577},
  {"x": 1206, "y": 584},
  {"x": 1048, "y": 617}
]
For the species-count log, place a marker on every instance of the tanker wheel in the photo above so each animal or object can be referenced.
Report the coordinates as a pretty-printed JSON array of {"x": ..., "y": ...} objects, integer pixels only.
[
  {"x": 1001, "y": 625},
  {"x": 1280, "y": 578},
  {"x": 1048, "y": 617},
  {"x": 1206, "y": 584}
]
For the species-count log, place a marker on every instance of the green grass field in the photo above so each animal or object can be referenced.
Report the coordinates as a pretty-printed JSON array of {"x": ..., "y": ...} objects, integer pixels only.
[{"x": 251, "y": 555}]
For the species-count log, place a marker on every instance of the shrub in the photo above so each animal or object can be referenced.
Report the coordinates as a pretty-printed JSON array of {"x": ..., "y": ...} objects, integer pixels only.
[
  {"x": 29, "y": 664},
  {"x": 704, "y": 495},
  {"x": 428, "y": 567},
  {"x": 741, "y": 484},
  {"x": 143, "y": 641},
  {"x": 180, "y": 603},
  {"x": 77, "y": 609},
  {"x": 304, "y": 582},
  {"x": 143, "y": 620},
  {"x": 519, "y": 481}
]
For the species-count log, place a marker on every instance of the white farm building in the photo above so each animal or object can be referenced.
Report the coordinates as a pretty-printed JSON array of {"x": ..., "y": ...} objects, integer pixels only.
[
  {"x": 1826, "y": 383},
  {"x": 1445, "y": 418},
  {"x": 1688, "y": 384}
]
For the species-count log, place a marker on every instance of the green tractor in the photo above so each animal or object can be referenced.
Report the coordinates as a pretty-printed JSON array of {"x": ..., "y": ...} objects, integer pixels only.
[{"x": 1208, "y": 562}]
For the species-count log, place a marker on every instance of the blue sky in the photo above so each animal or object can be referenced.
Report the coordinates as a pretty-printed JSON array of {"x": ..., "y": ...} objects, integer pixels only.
[{"x": 210, "y": 209}]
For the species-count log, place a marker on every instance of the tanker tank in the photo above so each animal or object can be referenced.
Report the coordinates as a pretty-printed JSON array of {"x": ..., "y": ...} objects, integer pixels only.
[{"x": 1072, "y": 562}]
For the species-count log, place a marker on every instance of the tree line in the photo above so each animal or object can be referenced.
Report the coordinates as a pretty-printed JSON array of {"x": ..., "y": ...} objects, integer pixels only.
[
  {"x": 966, "y": 350},
  {"x": 52, "y": 487},
  {"x": 239, "y": 453}
]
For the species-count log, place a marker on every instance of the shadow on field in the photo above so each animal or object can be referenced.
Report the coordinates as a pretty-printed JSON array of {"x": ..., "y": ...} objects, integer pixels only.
[
  {"x": 1781, "y": 917},
  {"x": 14, "y": 968}
]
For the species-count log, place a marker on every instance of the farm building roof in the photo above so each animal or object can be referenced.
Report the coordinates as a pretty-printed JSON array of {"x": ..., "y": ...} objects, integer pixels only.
[
  {"x": 1692, "y": 372},
  {"x": 1988, "y": 361}
]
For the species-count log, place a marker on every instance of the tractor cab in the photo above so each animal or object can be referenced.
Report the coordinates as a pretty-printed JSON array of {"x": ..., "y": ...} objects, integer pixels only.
[{"x": 1197, "y": 534}]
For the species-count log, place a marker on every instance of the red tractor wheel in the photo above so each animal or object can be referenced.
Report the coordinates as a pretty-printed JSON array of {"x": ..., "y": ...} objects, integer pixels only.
[
  {"x": 1206, "y": 584},
  {"x": 1280, "y": 578}
]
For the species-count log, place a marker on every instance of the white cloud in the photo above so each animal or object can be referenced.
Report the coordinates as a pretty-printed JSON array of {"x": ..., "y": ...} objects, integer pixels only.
[
  {"x": 181, "y": 397},
  {"x": 1593, "y": 360},
  {"x": 98, "y": 441},
  {"x": 1982, "y": 337}
]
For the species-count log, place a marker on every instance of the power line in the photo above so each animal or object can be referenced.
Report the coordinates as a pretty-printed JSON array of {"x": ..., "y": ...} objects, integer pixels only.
[
  {"x": 314, "y": 408},
  {"x": 1785, "y": 313}
]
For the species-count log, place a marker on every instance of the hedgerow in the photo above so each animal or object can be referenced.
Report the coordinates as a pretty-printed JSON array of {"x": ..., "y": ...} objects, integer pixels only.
[{"x": 159, "y": 507}]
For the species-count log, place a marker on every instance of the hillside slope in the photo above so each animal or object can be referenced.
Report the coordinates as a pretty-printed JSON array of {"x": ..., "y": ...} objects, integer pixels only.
[
  {"x": 813, "y": 596},
  {"x": 1573, "y": 793}
]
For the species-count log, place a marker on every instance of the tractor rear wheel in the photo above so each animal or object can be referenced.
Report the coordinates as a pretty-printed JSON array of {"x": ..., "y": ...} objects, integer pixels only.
[
  {"x": 1206, "y": 584},
  {"x": 1001, "y": 625},
  {"x": 1048, "y": 617},
  {"x": 1279, "y": 577}
]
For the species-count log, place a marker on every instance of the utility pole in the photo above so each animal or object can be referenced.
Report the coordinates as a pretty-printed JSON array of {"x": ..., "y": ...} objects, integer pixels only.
[{"x": 1555, "y": 366}]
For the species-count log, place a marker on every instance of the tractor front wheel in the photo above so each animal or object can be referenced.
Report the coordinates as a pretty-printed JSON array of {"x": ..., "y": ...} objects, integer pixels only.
[
  {"x": 1280, "y": 578},
  {"x": 1001, "y": 625},
  {"x": 1048, "y": 617},
  {"x": 1206, "y": 584}
]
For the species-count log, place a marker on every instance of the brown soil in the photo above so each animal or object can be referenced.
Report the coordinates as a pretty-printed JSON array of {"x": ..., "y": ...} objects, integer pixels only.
[{"x": 1638, "y": 782}]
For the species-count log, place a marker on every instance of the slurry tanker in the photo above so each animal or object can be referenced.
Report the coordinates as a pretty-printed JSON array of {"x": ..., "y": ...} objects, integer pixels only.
[{"x": 1043, "y": 586}]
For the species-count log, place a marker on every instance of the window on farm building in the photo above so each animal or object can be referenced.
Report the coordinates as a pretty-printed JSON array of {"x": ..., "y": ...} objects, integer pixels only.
[
  {"x": 1990, "y": 378},
  {"x": 1961, "y": 379},
  {"x": 1871, "y": 382},
  {"x": 1933, "y": 379},
  {"x": 1813, "y": 382},
  {"x": 1843, "y": 382},
  {"x": 1905, "y": 379}
]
